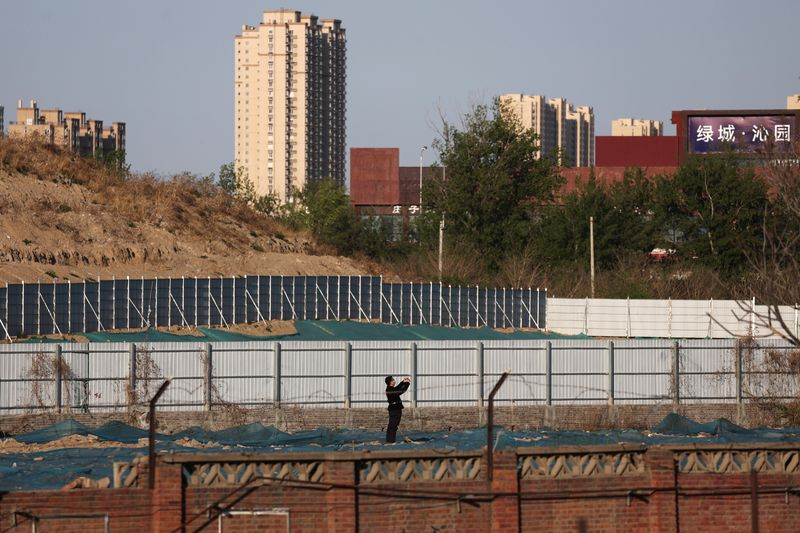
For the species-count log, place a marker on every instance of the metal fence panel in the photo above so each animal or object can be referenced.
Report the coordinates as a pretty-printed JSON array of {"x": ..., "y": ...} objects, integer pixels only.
[
  {"x": 707, "y": 370},
  {"x": 372, "y": 361},
  {"x": 106, "y": 374},
  {"x": 527, "y": 363},
  {"x": 26, "y": 378},
  {"x": 643, "y": 371},
  {"x": 76, "y": 388},
  {"x": 446, "y": 373},
  {"x": 243, "y": 372},
  {"x": 313, "y": 373},
  {"x": 184, "y": 363},
  {"x": 696, "y": 319},
  {"x": 579, "y": 372}
]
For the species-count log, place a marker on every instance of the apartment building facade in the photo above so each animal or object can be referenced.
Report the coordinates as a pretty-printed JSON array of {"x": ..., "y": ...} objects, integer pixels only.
[
  {"x": 793, "y": 101},
  {"x": 290, "y": 100},
  {"x": 564, "y": 131},
  {"x": 72, "y": 130},
  {"x": 634, "y": 127}
]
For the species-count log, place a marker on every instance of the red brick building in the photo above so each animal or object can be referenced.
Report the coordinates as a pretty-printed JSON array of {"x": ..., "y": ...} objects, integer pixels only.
[{"x": 378, "y": 184}]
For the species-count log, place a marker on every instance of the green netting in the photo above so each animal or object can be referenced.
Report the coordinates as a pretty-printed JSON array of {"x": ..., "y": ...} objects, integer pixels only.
[
  {"x": 320, "y": 330},
  {"x": 53, "y": 469},
  {"x": 361, "y": 331}
]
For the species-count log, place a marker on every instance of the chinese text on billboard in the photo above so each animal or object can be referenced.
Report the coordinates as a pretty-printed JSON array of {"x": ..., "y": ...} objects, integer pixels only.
[{"x": 713, "y": 134}]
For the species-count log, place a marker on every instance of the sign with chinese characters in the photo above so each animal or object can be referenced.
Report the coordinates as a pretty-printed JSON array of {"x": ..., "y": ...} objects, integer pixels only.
[
  {"x": 714, "y": 134},
  {"x": 411, "y": 210}
]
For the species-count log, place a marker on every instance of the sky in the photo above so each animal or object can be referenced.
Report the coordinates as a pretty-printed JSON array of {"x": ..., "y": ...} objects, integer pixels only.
[{"x": 165, "y": 67}]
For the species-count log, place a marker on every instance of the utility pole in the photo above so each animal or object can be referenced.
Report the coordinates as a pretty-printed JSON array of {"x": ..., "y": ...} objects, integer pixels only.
[
  {"x": 421, "y": 151},
  {"x": 591, "y": 250},
  {"x": 441, "y": 230},
  {"x": 441, "y": 241}
]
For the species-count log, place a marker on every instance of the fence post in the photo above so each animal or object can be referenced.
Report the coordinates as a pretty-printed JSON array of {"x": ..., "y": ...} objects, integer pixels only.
[
  {"x": 480, "y": 368},
  {"x": 676, "y": 373},
  {"x": 348, "y": 375},
  {"x": 113, "y": 302},
  {"x": 414, "y": 374},
  {"x": 738, "y": 371},
  {"x": 610, "y": 384},
  {"x": 69, "y": 305},
  {"x": 58, "y": 377},
  {"x": 209, "y": 375},
  {"x": 132, "y": 374},
  {"x": 39, "y": 309},
  {"x": 548, "y": 369},
  {"x": 276, "y": 371},
  {"x": 22, "y": 310},
  {"x": 155, "y": 311}
]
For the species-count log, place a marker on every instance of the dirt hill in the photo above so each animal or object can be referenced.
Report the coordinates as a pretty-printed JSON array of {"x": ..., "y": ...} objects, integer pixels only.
[{"x": 63, "y": 217}]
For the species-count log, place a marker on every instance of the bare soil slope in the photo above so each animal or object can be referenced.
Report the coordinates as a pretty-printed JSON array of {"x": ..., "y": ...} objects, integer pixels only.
[{"x": 63, "y": 217}]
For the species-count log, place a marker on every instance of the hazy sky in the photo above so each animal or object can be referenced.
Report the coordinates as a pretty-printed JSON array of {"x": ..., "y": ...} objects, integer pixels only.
[{"x": 165, "y": 67}]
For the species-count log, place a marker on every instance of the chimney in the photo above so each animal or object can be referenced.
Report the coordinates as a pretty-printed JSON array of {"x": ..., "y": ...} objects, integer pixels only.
[{"x": 19, "y": 103}]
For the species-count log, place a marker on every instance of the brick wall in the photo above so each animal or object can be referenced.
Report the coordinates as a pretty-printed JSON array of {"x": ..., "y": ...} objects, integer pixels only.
[{"x": 640, "y": 499}]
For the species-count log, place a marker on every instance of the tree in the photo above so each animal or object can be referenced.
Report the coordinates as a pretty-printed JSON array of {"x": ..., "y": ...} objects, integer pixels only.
[
  {"x": 114, "y": 161},
  {"x": 237, "y": 184},
  {"x": 714, "y": 207},
  {"x": 493, "y": 186},
  {"x": 776, "y": 262},
  {"x": 622, "y": 222},
  {"x": 229, "y": 178},
  {"x": 331, "y": 217}
]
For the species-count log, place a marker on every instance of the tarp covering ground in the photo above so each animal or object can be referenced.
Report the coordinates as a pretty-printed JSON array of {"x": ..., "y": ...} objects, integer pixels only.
[
  {"x": 54, "y": 469},
  {"x": 322, "y": 330}
]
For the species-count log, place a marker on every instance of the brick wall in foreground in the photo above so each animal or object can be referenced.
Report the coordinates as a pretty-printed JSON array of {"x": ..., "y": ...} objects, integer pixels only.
[{"x": 602, "y": 488}]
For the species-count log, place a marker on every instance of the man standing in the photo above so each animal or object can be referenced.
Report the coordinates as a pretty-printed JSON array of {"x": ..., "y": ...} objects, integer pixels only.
[{"x": 395, "y": 405}]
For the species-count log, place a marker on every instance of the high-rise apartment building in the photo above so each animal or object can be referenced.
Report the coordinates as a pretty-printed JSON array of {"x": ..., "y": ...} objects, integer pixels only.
[
  {"x": 2, "y": 123},
  {"x": 793, "y": 102},
  {"x": 290, "y": 96},
  {"x": 634, "y": 127},
  {"x": 71, "y": 130},
  {"x": 563, "y": 130}
]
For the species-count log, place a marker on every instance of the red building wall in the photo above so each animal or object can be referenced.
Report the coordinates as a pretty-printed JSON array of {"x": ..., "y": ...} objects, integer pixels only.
[
  {"x": 605, "y": 175},
  {"x": 409, "y": 183},
  {"x": 660, "y": 151},
  {"x": 375, "y": 176}
]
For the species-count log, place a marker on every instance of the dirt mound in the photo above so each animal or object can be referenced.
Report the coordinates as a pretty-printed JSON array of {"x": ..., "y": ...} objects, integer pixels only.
[
  {"x": 11, "y": 446},
  {"x": 64, "y": 217}
]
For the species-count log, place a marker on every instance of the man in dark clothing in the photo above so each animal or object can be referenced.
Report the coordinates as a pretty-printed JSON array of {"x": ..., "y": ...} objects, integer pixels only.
[{"x": 395, "y": 405}]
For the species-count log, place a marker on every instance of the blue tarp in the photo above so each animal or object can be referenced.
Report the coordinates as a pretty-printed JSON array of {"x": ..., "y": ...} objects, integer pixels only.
[{"x": 55, "y": 469}]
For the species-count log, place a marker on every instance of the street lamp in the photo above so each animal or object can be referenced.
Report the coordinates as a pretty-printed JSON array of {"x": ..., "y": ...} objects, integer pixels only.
[{"x": 422, "y": 151}]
